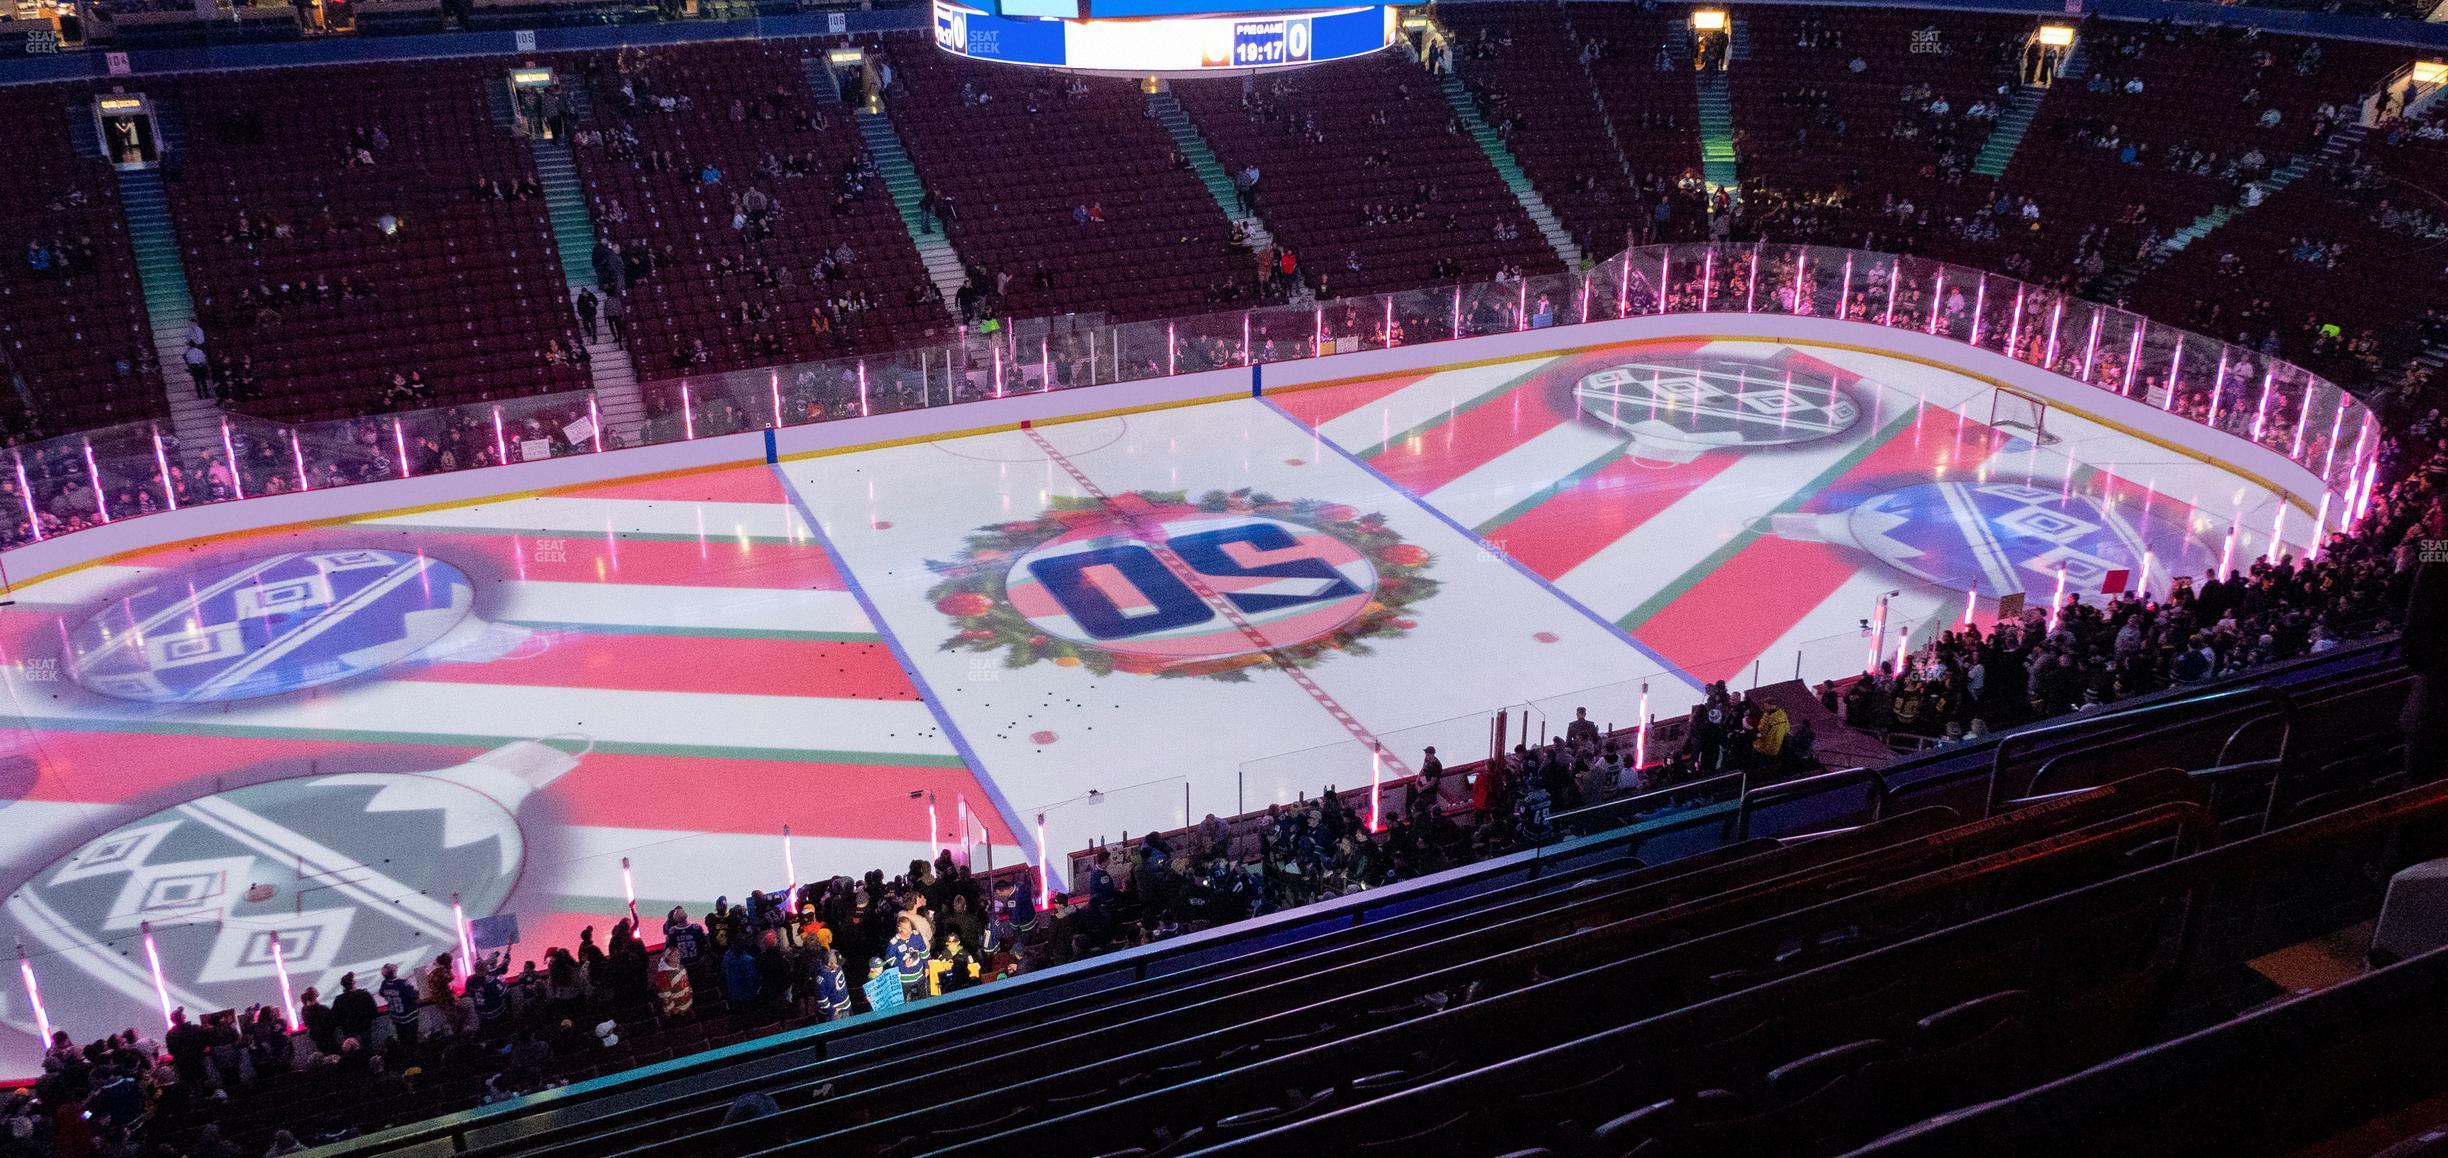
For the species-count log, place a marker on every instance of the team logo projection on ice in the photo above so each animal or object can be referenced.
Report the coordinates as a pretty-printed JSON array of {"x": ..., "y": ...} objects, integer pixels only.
[
  {"x": 1677, "y": 407},
  {"x": 2001, "y": 538},
  {"x": 267, "y": 625},
  {"x": 1154, "y": 583}
]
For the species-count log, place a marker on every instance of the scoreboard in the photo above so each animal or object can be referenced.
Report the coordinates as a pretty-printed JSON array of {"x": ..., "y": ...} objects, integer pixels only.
[{"x": 1246, "y": 39}]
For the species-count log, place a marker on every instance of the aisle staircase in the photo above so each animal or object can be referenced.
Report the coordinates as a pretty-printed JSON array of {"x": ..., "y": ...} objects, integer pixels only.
[
  {"x": 617, "y": 398},
  {"x": 1717, "y": 132},
  {"x": 1211, "y": 172},
  {"x": 2339, "y": 143},
  {"x": 1467, "y": 110},
  {"x": 2016, "y": 118},
  {"x": 943, "y": 263},
  {"x": 162, "y": 271},
  {"x": 1606, "y": 116}
]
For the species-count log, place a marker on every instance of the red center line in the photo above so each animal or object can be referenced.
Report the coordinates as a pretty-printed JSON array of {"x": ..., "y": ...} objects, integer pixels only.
[{"x": 1153, "y": 534}]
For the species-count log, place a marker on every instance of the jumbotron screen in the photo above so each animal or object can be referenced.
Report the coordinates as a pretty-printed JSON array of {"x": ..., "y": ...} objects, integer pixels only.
[
  {"x": 1129, "y": 9},
  {"x": 1167, "y": 44}
]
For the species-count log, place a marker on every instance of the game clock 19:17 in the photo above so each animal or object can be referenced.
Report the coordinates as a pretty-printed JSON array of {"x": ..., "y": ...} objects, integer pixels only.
[{"x": 1260, "y": 43}]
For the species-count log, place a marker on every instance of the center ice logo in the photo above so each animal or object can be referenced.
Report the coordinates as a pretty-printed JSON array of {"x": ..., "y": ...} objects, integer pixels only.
[
  {"x": 1676, "y": 407},
  {"x": 1155, "y": 584}
]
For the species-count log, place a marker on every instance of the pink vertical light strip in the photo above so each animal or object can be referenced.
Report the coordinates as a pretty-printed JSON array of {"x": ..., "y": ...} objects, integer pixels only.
[
  {"x": 229, "y": 454},
  {"x": 1376, "y": 790},
  {"x": 1665, "y": 276},
  {"x": 629, "y": 891},
  {"x": 998, "y": 363},
  {"x": 1971, "y": 604},
  {"x": 1521, "y": 306},
  {"x": 25, "y": 491},
  {"x": 2337, "y": 426},
  {"x": 595, "y": 420},
  {"x": 1317, "y": 332},
  {"x": 1585, "y": 297},
  {"x": 1246, "y": 355},
  {"x": 1457, "y": 312},
  {"x": 2277, "y": 531},
  {"x": 2371, "y": 480},
  {"x": 1893, "y": 268},
  {"x": 2227, "y": 552},
  {"x": 1708, "y": 277},
  {"x": 501, "y": 438},
  {"x": 1937, "y": 310},
  {"x": 2175, "y": 370},
  {"x": 1980, "y": 309},
  {"x": 1640, "y": 732},
  {"x": 1751, "y": 282},
  {"x": 2091, "y": 346},
  {"x": 161, "y": 989},
  {"x": 2303, "y": 421},
  {"x": 2014, "y": 325},
  {"x": 2142, "y": 585},
  {"x": 1045, "y": 866},
  {"x": 862, "y": 372},
  {"x": 2133, "y": 361},
  {"x": 467, "y": 943},
  {"x": 2048, "y": 356},
  {"x": 688, "y": 413},
  {"x": 773, "y": 384},
  {"x": 1844, "y": 289},
  {"x": 1802, "y": 294},
  {"x": 289, "y": 1005},
  {"x": 2320, "y": 526},
  {"x": 1389, "y": 321},
  {"x": 2261, "y": 408},
  {"x": 297, "y": 454},
  {"x": 1878, "y": 636},
  {"x": 790, "y": 864},
  {"x": 161, "y": 461},
  {"x": 2218, "y": 386},
  {"x": 1172, "y": 351},
  {"x": 42, "y": 1016},
  {"x": 399, "y": 440},
  {"x": 2057, "y": 603},
  {"x": 93, "y": 476}
]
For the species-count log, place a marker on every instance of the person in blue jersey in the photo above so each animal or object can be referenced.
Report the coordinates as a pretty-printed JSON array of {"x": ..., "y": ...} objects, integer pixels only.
[
  {"x": 400, "y": 1002},
  {"x": 909, "y": 958},
  {"x": 1015, "y": 914},
  {"x": 828, "y": 984},
  {"x": 690, "y": 938},
  {"x": 491, "y": 998}
]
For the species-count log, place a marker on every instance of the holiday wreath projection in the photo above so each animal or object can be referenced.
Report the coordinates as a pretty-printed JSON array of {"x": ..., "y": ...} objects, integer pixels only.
[{"x": 324, "y": 749}]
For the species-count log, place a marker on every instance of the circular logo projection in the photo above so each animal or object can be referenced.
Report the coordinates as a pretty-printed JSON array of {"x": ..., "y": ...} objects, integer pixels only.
[
  {"x": 267, "y": 625},
  {"x": 2001, "y": 537},
  {"x": 1156, "y": 584},
  {"x": 347, "y": 871},
  {"x": 1677, "y": 406}
]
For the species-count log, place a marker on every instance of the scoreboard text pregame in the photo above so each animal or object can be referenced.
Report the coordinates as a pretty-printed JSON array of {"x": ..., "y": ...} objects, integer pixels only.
[{"x": 1261, "y": 43}]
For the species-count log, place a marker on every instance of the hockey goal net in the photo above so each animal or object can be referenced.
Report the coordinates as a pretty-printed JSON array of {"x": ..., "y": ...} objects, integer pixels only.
[{"x": 2021, "y": 414}]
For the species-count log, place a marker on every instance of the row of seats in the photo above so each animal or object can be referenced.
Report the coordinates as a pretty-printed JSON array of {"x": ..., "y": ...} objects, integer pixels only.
[
  {"x": 694, "y": 226},
  {"x": 1021, "y": 151},
  {"x": 462, "y": 288},
  {"x": 78, "y": 336},
  {"x": 1377, "y": 132}
]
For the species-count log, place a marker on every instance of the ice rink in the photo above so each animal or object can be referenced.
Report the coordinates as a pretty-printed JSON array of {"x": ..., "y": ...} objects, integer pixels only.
[{"x": 543, "y": 705}]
